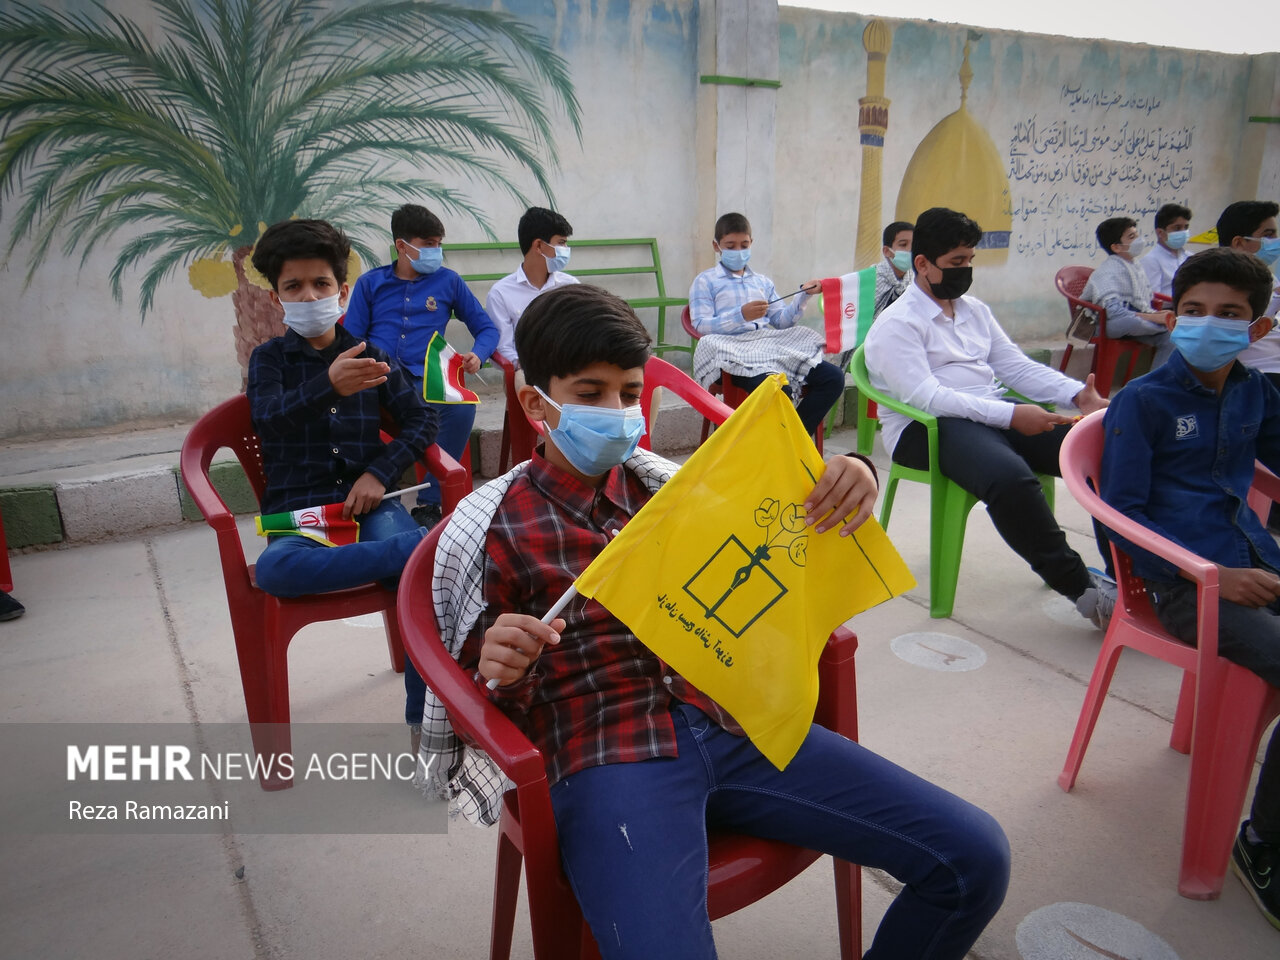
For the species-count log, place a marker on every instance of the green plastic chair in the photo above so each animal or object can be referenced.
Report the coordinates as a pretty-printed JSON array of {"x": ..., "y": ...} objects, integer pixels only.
[{"x": 949, "y": 503}]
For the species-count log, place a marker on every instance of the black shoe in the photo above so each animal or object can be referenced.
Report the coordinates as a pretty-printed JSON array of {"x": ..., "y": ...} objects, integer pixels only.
[
  {"x": 10, "y": 609},
  {"x": 1258, "y": 867},
  {"x": 427, "y": 515}
]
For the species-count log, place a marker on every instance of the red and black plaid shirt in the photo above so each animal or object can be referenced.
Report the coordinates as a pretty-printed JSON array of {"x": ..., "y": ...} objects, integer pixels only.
[{"x": 599, "y": 696}]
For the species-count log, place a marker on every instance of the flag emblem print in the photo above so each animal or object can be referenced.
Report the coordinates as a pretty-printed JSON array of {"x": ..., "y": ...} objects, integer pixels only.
[
  {"x": 721, "y": 578},
  {"x": 324, "y": 524}
]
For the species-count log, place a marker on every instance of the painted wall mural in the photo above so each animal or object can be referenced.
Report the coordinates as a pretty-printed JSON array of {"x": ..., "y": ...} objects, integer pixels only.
[{"x": 173, "y": 140}]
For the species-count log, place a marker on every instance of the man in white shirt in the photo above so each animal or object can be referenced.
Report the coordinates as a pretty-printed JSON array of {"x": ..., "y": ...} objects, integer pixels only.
[
  {"x": 944, "y": 353},
  {"x": 1173, "y": 228},
  {"x": 544, "y": 243}
]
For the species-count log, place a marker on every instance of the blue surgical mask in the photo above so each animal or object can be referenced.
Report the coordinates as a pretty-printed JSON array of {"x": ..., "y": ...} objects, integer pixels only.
[
  {"x": 1269, "y": 252},
  {"x": 596, "y": 439},
  {"x": 310, "y": 318},
  {"x": 735, "y": 260},
  {"x": 902, "y": 260},
  {"x": 1208, "y": 343},
  {"x": 428, "y": 260},
  {"x": 1177, "y": 239},
  {"x": 559, "y": 261}
]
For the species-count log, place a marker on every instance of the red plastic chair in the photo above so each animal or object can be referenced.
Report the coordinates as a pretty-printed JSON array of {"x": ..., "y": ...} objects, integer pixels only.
[
  {"x": 733, "y": 395},
  {"x": 660, "y": 373},
  {"x": 1223, "y": 709},
  {"x": 519, "y": 436},
  {"x": 262, "y": 624},
  {"x": 1107, "y": 351},
  {"x": 742, "y": 869},
  {"x": 6, "y": 573}
]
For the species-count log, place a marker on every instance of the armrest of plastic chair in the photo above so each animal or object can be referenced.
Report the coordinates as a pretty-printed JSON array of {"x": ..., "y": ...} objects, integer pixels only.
[
  {"x": 861, "y": 379},
  {"x": 194, "y": 460},
  {"x": 837, "y": 684},
  {"x": 451, "y": 474},
  {"x": 1192, "y": 566}
]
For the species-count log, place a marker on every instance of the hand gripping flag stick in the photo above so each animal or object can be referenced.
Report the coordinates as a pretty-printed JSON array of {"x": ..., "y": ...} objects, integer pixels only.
[
  {"x": 551, "y": 615},
  {"x": 786, "y": 296}
]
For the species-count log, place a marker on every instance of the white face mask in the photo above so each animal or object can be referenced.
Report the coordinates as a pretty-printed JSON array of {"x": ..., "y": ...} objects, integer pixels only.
[{"x": 311, "y": 318}]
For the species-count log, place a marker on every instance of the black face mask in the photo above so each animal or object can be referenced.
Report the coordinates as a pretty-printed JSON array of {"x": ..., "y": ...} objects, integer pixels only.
[{"x": 955, "y": 282}]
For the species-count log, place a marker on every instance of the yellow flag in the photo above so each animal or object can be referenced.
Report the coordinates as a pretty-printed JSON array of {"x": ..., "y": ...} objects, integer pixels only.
[{"x": 719, "y": 576}]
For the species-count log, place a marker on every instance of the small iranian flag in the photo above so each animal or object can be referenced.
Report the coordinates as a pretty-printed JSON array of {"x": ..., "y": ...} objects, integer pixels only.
[
  {"x": 848, "y": 306},
  {"x": 442, "y": 375},
  {"x": 324, "y": 525}
]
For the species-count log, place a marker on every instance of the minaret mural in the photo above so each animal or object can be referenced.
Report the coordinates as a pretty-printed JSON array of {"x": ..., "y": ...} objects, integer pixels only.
[
  {"x": 873, "y": 121},
  {"x": 957, "y": 165}
]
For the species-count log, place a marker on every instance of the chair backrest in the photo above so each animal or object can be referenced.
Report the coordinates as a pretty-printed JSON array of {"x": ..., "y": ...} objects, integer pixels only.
[
  {"x": 1070, "y": 280},
  {"x": 686, "y": 321},
  {"x": 230, "y": 426},
  {"x": 660, "y": 373}
]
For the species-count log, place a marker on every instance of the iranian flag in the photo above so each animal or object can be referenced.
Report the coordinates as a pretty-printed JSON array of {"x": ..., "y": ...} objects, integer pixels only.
[
  {"x": 324, "y": 525},
  {"x": 848, "y": 306},
  {"x": 442, "y": 375}
]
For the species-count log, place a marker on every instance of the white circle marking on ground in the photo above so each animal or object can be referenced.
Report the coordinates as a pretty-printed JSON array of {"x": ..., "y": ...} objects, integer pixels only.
[
  {"x": 938, "y": 651},
  {"x": 1081, "y": 931}
]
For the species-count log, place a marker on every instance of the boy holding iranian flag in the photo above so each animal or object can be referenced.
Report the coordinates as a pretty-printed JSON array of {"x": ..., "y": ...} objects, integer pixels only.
[{"x": 316, "y": 396}]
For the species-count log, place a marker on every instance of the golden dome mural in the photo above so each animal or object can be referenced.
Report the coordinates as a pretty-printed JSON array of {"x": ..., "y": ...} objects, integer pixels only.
[{"x": 957, "y": 165}]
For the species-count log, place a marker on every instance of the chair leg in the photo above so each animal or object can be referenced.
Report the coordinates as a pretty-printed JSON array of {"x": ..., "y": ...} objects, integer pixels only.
[
  {"x": 849, "y": 908},
  {"x": 1105, "y": 358},
  {"x": 1066, "y": 357},
  {"x": 504, "y": 447},
  {"x": 866, "y": 427},
  {"x": 506, "y": 891},
  {"x": 1222, "y": 758},
  {"x": 264, "y": 675},
  {"x": 395, "y": 643},
  {"x": 1103, "y": 670},
  {"x": 950, "y": 514},
  {"x": 1180, "y": 738},
  {"x": 886, "y": 508}
]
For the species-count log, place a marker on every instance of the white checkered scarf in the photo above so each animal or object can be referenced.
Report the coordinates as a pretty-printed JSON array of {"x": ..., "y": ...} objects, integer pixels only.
[
  {"x": 793, "y": 351},
  {"x": 447, "y": 768}
]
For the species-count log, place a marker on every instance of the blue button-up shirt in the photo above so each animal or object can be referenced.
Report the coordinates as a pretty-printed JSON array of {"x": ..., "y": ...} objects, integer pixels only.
[
  {"x": 1179, "y": 459},
  {"x": 717, "y": 296},
  {"x": 315, "y": 443},
  {"x": 399, "y": 316}
]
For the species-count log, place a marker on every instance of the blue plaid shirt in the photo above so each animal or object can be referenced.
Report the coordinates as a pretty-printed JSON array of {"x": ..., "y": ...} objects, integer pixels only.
[
  {"x": 717, "y": 296},
  {"x": 315, "y": 443}
]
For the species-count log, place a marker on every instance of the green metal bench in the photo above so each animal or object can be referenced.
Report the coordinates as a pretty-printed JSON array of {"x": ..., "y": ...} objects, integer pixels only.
[{"x": 592, "y": 259}]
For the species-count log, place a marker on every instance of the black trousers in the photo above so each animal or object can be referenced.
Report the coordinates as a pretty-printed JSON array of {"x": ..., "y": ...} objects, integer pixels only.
[{"x": 999, "y": 467}]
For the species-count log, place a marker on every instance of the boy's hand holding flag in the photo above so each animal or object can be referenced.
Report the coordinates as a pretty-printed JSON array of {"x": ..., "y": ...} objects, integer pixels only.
[
  {"x": 328, "y": 524},
  {"x": 442, "y": 374}
]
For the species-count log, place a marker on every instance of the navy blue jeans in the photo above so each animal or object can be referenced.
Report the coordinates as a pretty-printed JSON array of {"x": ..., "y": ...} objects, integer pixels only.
[
  {"x": 294, "y": 566},
  {"x": 824, "y": 385},
  {"x": 452, "y": 433},
  {"x": 633, "y": 839}
]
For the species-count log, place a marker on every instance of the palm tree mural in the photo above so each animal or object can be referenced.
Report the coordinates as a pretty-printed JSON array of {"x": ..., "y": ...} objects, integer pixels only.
[{"x": 188, "y": 138}]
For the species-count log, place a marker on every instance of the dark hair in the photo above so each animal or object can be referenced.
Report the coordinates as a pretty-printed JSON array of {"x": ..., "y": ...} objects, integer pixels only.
[
  {"x": 892, "y": 230},
  {"x": 732, "y": 223},
  {"x": 1171, "y": 212},
  {"x": 571, "y": 327},
  {"x": 1112, "y": 231},
  {"x": 412, "y": 221},
  {"x": 1241, "y": 218},
  {"x": 939, "y": 231},
  {"x": 539, "y": 223},
  {"x": 1235, "y": 268},
  {"x": 301, "y": 240}
]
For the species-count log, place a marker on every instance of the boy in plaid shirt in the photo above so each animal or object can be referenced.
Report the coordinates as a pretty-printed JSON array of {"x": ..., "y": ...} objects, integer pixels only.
[{"x": 641, "y": 762}]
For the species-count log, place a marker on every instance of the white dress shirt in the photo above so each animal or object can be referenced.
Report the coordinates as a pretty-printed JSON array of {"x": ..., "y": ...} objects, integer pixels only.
[
  {"x": 953, "y": 367},
  {"x": 507, "y": 299},
  {"x": 1160, "y": 265}
]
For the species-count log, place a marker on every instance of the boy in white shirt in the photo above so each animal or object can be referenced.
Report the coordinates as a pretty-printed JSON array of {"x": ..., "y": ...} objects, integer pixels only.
[
  {"x": 944, "y": 353},
  {"x": 544, "y": 243},
  {"x": 1173, "y": 229}
]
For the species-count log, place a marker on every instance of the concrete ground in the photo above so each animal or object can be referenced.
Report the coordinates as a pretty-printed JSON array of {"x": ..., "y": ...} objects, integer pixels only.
[{"x": 136, "y": 630}]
